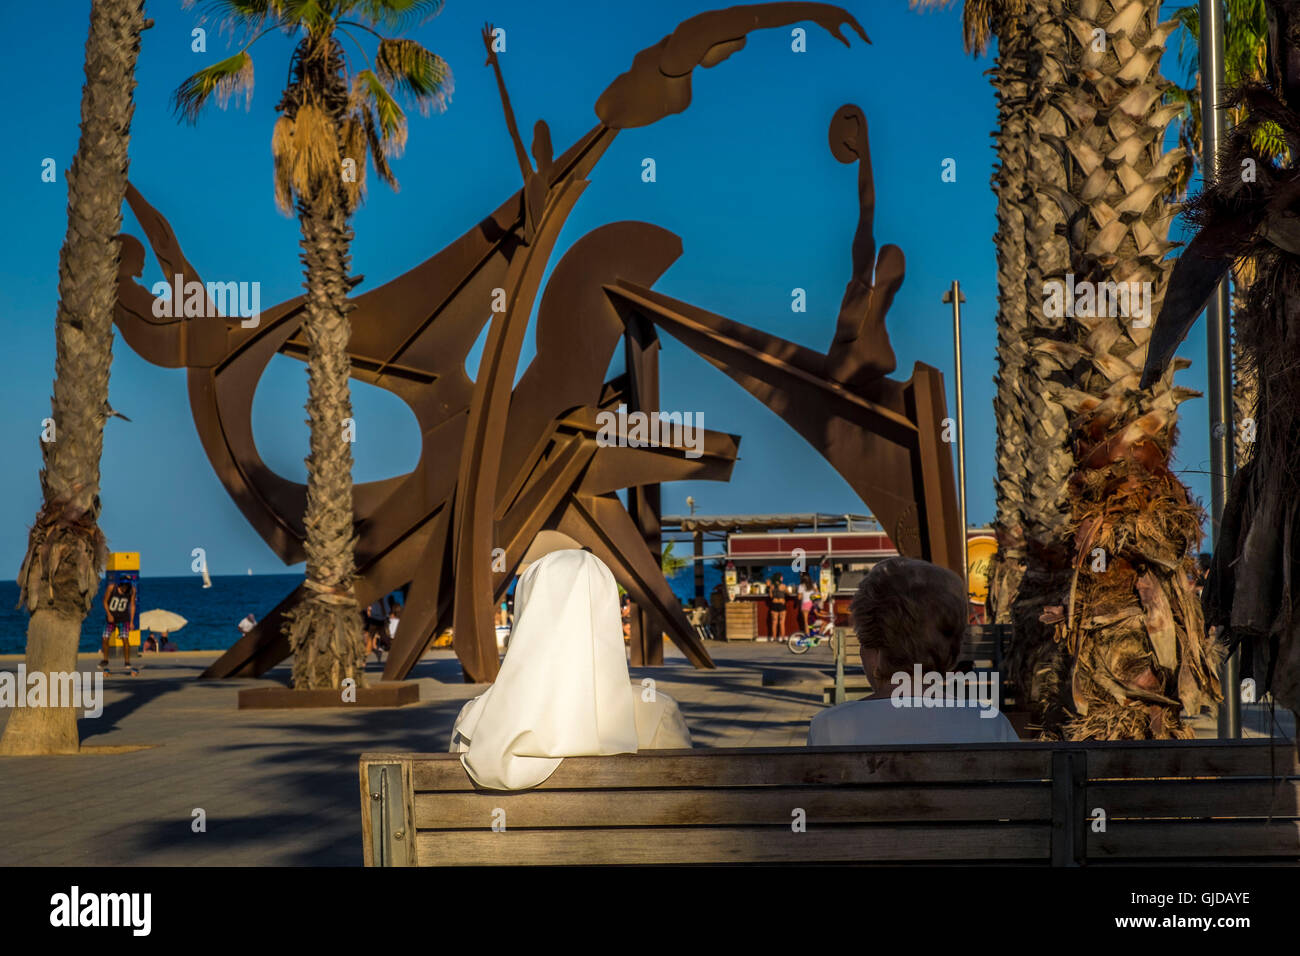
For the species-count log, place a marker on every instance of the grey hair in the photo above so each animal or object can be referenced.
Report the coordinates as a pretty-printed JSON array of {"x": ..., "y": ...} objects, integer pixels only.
[{"x": 912, "y": 612}]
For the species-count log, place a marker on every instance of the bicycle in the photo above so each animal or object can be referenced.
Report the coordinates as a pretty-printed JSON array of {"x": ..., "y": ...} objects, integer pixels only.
[{"x": 801, "y": 641}]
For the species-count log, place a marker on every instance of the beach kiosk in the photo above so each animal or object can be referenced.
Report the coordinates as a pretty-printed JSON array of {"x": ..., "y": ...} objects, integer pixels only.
[
  {"x": 124, "y": 566},
  {"x": 825, "y": 555},
  {"x": 836, "y": 557}
]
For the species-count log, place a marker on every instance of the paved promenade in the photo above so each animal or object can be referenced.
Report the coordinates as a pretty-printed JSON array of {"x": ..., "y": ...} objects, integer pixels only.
[{"x": 280, "y": 787}]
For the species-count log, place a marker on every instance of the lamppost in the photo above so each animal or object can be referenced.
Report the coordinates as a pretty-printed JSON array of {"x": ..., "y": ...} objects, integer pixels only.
[
  {"x": 1213, "y": 126},
  {"x": 954, "y": 296}
]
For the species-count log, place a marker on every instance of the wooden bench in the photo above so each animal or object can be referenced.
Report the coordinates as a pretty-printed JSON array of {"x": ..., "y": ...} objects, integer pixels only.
[{"x": 1014, "y": 803}]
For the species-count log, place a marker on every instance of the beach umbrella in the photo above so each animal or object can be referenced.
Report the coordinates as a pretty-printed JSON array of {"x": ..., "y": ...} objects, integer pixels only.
[{"x": 161, "y": 621}]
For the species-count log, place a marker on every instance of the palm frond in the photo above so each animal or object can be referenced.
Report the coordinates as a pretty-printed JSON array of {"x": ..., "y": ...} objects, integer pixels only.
[
  {"x": 317, "y": 16},
  {"x": 353, "y": 138},
  {"x": 1270, "y": 139},
  {"x": 281, "y": 165},
  {"x": 227, "y": 78},
  {"x": 370, "y": 93},
  {"x": 671, "y": 563},
  {"x": 423, "y": 76},
  {"x": 394, "y": 14},
  {"x": 1189, "y": 37},
  {"x": 1245, "y": 38},
  {"x": 305, "y": 154},
  {"x": 981, "y": 20},
  {"x": 377, "y": 150},
  {"x": 247, "y": 13}
]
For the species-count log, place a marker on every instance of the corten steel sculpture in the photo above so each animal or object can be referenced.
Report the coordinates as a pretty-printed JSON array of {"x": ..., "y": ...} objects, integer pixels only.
[
  {"x": 884, "y": 437},
  {"x": 526, "y": 457}
]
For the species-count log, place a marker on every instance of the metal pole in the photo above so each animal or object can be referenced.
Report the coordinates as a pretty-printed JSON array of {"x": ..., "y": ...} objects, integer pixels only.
[
  {"x": 1219, "y": 353},
  {"x": 954, "y": 296},
  {"x": 839, "y": 633}
]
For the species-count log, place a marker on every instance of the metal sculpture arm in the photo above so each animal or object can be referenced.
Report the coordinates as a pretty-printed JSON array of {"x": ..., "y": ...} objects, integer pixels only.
[
  {"x": 659, "y": 82},
  {"x": 525, "y": 167},
  {"x": 704, "y": 40},
  {"x": 860, "y": 351},
  {"x": 536, "y": 182}
]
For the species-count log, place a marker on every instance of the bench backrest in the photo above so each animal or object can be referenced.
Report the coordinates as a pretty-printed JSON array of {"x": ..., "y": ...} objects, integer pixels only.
[{"x": 1027, "y": 803}]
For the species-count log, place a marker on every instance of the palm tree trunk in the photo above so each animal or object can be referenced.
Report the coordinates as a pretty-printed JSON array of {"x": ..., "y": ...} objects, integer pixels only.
[
  {"x": 1245, "y": 377},
  {"x": 66, "y": 550},
  {"x": 1011, "y": 85},
  {"x": 1035, "y": 661},
  {"x": 1121, "y": 604},
  {"x": 325, "y": 629}
]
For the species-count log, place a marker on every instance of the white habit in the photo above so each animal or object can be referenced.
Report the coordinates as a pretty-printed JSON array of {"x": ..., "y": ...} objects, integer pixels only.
[{"x": 563, "y": 689}]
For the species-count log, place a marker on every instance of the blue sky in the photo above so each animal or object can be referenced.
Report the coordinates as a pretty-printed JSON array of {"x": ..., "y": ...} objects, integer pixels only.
[{"x": 744, "y": 176}]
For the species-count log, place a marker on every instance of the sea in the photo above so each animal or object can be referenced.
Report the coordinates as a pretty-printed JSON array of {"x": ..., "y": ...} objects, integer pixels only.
[{"x": 214, "y": 613}]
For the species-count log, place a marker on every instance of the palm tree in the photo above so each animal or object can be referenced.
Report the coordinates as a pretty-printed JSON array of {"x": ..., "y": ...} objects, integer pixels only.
[
  {"x": 1115, "y": 638},
  {"x": 671, "y": 563},
  {"x": 333, "y": 118},
  {"x": 1245, "y": 39},
  {"x": 982, "y": 20},
  {"x": 66, "y": 550},
  {"x": 1037, "y": 665},
  {"x": 1252, "y": 591},
  {"x": 1109, "y": 640}
]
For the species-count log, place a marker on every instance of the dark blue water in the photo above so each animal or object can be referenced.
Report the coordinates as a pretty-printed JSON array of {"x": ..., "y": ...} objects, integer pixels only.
[{"x": 213, "y": 613}]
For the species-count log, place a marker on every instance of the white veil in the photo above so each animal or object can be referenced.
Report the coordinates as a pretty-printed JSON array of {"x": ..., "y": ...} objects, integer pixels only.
[{"x": 564, "y": 689}]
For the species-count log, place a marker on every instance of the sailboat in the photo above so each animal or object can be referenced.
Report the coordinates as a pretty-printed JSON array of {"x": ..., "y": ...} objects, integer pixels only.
[
  {"x": 250, "y": 571},
  {"x": 207, "y": 581}
]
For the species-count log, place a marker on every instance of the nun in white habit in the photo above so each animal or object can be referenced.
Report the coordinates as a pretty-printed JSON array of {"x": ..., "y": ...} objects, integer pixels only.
[{"x": 563, "y": 689}]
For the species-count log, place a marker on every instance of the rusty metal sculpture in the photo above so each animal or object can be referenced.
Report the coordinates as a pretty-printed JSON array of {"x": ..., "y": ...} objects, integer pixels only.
[
  {"x": 526, "y": 457},
  {"x": 883, "y": 437}
]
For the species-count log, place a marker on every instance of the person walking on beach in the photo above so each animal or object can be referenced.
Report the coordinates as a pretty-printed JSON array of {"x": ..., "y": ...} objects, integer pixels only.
[{"x": 119, "y": 609}]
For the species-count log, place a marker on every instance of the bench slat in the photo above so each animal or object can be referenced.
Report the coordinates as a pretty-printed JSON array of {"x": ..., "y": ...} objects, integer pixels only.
[
  {"x": 1176, "y": 839},
  {"x": 1177, "y": 760},
  {"x": 1197, "y": 798},
  {"x": 563, "y": 809},
  {"x": 847, "y": 844},
  {"x": 796, "y": 766}
]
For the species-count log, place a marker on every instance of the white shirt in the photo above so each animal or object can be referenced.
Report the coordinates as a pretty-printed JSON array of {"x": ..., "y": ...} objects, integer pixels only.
[{"x": 880, "y": 722}]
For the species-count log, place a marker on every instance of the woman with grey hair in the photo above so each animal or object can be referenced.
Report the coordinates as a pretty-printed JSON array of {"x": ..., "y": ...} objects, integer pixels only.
[{"x": 910, "y": 617}]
